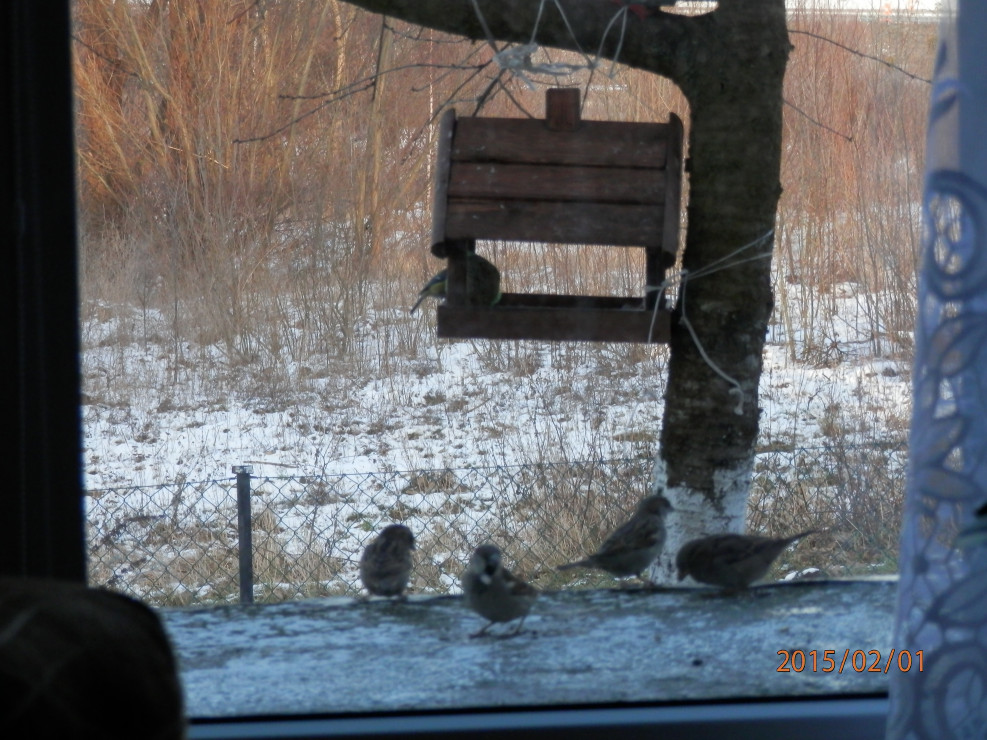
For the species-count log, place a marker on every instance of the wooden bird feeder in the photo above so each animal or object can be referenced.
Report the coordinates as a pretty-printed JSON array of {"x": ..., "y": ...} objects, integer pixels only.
[{"x": 561, "y": 180}]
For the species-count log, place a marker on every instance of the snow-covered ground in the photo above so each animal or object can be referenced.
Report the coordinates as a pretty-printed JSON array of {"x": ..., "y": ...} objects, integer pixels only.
[{"x": 147, "y": 423}]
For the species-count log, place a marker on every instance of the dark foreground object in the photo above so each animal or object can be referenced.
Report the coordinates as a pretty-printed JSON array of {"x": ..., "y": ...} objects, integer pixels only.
[{"x": 84, "y": 663}]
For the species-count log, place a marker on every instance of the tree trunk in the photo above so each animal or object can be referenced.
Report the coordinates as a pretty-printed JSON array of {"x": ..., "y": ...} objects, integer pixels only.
[
  {"x": 710, "y": 425},
  {"x": 730, "y": 64}
]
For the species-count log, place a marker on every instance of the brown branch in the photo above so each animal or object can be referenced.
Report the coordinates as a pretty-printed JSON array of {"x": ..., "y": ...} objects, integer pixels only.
[
  {"x": 344, "y": 92},
  {"x": 476, "y": 69},
  {"x": 653, "y": 42},
  {"x": 372, "y": 78},
  {"x": 873, "y": 58},
  {"x": 353, "y": 88},
  {"x": 812, "y": 120},
  {"x": 118, "y": 63},
  {"x": 420, "y": 35}
]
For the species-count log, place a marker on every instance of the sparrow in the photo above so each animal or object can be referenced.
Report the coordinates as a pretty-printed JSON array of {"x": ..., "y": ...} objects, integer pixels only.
[
  {"x": 634, "y": 545},
  {"x": 975, "y": 533},
  {"x": 482, "y": 283},
  {"x": 385, "y": 565},
  {"x": 731, "y": 561},
  {"x": 494, "y": 592}
]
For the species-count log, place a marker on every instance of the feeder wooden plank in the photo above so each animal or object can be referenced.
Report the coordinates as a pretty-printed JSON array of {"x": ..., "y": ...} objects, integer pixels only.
[
  {"x": 558, "y": 300},
  {"x": 673, "y": 189},
  {"x": 593, "y": 143},
  {"x": 571, "y": 223},
  {"x": 447, "y": 128},
  {"x": 550, "y": 182},
  {"x": 588, "y": 324}
]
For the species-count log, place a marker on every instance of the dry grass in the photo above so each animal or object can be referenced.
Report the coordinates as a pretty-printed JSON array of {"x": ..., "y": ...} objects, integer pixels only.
[{"x": 284, "y": 242}]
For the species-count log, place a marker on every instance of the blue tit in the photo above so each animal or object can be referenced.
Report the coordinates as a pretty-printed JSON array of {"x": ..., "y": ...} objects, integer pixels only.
[
  {"x": 482, "y": 283},
  {"x": 434, "y": 287},
  {"x": 975, "y": 533}
]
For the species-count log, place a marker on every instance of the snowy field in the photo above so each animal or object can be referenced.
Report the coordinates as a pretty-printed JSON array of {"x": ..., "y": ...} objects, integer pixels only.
[{"x": 450, "y": 408}]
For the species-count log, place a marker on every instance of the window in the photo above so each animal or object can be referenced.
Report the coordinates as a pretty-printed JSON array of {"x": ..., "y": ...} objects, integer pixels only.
[{"x": 52, "y": 557}]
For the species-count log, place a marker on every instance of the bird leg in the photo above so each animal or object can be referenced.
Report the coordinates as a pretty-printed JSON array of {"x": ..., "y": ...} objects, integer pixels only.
[{"x": 483, "y": 631}]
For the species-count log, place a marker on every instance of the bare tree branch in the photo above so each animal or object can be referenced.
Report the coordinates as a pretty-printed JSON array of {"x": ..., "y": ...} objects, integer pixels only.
[
  {"x": 850, "y": 49},
  {"x": 358, "y": 86},
  {"x": 653, "y": 42},
  {"x": 117, "y": 63},
  {"x": 815, "y": 122}
]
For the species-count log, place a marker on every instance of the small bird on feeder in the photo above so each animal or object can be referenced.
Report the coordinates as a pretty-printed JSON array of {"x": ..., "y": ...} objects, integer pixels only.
[
  {"x": 482, "y": 283},
  {"x": 634, "y": 545},
  {"x": 731, "y": 561},
  {"x": 494, "y": 592},
  {"x": 385, "y": 566},
  {"x": 434, "y": 287}
]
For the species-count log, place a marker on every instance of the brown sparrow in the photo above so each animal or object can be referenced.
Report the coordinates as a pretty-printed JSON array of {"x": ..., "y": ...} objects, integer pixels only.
[
  {"x": 494, "y": 592},
  {"x": 385, "y": 566},
  {"x": 635, "y": 544},
  {"x": 731, "y": 561}
]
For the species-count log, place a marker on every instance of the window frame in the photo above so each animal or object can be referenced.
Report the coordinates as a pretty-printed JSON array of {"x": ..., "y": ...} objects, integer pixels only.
[{"x": 45, "y": 536}]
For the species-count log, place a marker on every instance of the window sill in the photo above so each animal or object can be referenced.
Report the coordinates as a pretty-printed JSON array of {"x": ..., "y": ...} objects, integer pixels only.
[{"x": 579, "y": 649}]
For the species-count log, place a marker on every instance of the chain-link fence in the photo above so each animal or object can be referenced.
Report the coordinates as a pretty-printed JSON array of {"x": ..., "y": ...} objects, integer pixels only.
[{"x": 179, "y": 543}]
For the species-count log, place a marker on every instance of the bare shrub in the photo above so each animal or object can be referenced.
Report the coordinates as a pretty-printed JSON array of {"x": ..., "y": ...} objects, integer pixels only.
[{"x": 853, "y": 492}]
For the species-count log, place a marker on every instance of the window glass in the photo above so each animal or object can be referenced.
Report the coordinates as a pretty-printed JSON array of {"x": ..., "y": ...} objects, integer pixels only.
[{"x": 261, "y": 186}]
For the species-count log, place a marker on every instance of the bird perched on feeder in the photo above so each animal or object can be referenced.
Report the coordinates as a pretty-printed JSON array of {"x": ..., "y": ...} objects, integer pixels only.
[
  {"x": 494, "y": 592},
  {"x": 731, "y": 561},
  {"x": 482, "y": 283},
  {"x": 385, "y": 566},
  {"x": 435, "y": 287},
  {"x": 974, "y": 533},
  {"x": 635, "y": 544}
]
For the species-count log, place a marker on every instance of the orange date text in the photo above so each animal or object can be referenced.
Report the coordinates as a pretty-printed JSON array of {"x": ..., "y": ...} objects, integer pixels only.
[{"x": 858, "y": 661}]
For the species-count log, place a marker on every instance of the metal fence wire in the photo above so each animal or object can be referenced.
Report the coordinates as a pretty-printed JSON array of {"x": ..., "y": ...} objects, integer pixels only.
[{"x": 180, "y": 544}]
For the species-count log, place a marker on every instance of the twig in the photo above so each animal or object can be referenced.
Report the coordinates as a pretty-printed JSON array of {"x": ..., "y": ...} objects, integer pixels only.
[
  {"x": 331, "y": 97},
  {"x": 865, "y": 56},
  {"x": 820, "y": 124},
  {"x": 118, "y": 63}
]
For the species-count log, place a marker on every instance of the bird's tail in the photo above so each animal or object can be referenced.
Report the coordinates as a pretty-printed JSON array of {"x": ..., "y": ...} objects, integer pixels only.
[
  {"x": 800, "y": 535},
  {"x": 577, "y": 564}
]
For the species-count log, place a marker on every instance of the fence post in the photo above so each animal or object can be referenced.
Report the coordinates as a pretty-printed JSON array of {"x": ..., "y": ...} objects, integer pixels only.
[{"x": 244, "y": 534}]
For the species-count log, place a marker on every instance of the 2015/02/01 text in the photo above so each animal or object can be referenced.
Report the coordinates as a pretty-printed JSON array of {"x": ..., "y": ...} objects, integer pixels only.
[{"x": 858, "y": 661}]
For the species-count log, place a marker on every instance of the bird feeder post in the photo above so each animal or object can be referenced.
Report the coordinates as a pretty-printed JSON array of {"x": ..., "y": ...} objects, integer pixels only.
[
  {"x": 452, "y": 250},
  {"x": 456, "y": 275},
  {"x": 561, "y": 180},
  {"x": 562, "y": 109}
]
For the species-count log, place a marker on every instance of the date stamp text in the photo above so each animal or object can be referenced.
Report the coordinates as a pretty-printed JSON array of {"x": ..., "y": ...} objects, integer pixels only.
[{"x": 858, "y": 661}]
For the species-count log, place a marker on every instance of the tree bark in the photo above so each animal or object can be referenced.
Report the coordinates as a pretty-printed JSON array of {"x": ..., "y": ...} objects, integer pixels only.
[
  {"x": 709, "y": 432},
  {"x": 730, "y": 64}
]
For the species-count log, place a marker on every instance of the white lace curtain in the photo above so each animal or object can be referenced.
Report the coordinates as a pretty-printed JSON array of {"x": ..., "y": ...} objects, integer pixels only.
[{"x": 942, "y": 603}]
